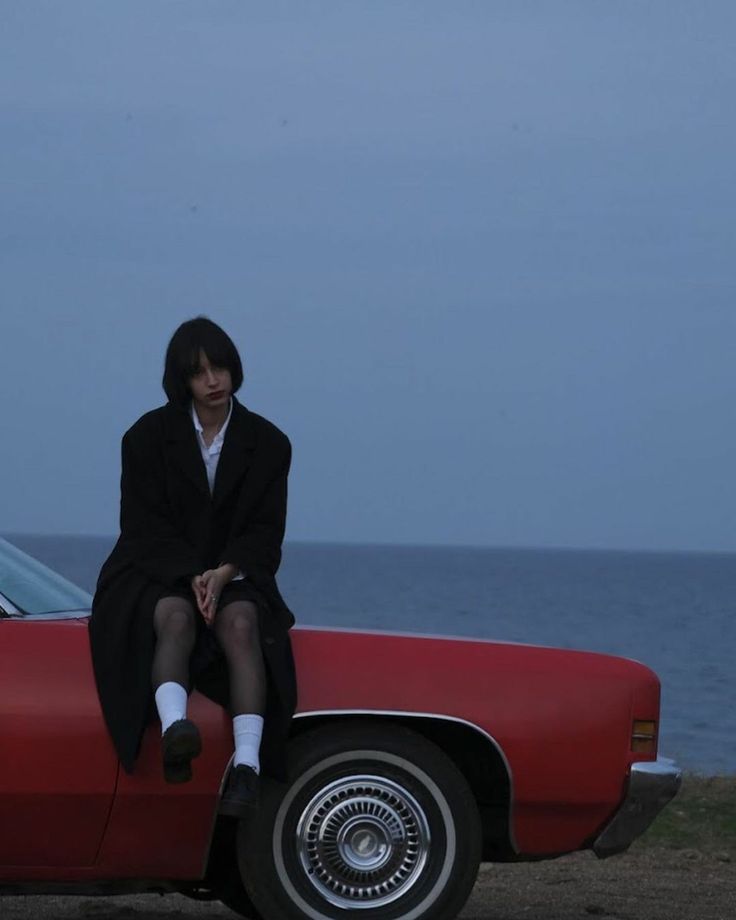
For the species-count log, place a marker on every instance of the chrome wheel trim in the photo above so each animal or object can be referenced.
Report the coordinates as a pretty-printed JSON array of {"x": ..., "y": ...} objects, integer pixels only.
[
  {"x": 379, "y": 757},
  {"x": 362, "y": 841}
]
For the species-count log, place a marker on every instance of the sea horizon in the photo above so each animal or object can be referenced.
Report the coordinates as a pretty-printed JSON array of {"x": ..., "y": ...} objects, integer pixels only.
[{"x": 410, "y": 544}]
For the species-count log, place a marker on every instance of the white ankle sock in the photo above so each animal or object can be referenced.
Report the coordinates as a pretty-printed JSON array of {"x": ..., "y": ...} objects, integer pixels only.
[
  {"x": 171, "y": 702},
  {"x": 247, "y": 730}
]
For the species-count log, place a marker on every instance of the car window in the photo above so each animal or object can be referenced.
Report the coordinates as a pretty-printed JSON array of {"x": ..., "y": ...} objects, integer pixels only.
[{"x": 33, "y": 588}]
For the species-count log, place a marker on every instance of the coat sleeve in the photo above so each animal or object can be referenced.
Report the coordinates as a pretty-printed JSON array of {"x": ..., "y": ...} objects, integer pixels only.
[
  {"x": 256, "y": 550},
  {"x": 154, "y": 543}
]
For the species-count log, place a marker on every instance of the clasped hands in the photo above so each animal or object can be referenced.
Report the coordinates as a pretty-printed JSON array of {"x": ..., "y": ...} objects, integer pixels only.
[{"x": 208, "y": 587}]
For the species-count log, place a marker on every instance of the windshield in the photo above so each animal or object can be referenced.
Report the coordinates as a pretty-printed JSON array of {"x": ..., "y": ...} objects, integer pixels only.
[{"x": 35, "y": 589}]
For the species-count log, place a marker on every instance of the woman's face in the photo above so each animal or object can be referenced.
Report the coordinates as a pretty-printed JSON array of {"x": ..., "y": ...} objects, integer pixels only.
[{"x": 211, "y": 386}]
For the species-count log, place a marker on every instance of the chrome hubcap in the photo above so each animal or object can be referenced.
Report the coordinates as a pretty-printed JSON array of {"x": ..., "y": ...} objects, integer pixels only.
[{"x": 362, "y": 841}]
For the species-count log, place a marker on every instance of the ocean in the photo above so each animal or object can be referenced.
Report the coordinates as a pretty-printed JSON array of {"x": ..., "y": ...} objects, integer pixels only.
[{"x": 672, "y": 611}]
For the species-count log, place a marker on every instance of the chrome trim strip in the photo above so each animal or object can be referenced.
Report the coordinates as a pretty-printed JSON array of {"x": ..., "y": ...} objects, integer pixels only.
[
  {"x": 652, "y": 784},
  {"x": 9, "y": 607},
  {"x": 315, "y": 713},
  {"x": 58, "y": 616},
  {"x": 383, "y": 712}
]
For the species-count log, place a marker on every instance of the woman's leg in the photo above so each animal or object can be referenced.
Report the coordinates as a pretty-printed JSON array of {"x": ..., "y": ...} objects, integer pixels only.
[
  {"x": 174, "y": 625},
  {"x": 236, "y": 628}
]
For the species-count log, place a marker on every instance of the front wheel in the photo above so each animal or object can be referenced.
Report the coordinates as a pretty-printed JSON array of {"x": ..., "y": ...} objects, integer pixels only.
[{"x": 375, "y": 822}]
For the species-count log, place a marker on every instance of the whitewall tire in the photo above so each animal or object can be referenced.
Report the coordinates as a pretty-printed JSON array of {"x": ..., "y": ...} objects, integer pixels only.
[{"x": 375, "y": 823}]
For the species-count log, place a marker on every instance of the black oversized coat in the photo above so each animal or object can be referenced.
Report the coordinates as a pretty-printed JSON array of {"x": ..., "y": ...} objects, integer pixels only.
[{"x": 172, "y": 528}]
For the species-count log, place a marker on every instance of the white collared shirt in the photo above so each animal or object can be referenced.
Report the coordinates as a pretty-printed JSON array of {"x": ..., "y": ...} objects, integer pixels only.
[{"x": 211, "y": 454}]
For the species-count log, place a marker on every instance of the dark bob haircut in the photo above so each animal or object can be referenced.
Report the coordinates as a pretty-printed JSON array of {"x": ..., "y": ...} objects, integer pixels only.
[{"x": 182, "y": 357}]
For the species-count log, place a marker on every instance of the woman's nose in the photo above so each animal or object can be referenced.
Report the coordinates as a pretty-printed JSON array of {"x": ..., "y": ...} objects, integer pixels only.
[{"x": 211, "y": 378}]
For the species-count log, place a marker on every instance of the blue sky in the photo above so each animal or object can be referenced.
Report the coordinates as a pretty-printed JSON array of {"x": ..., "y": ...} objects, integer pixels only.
[{"x": 478, "y": 258}]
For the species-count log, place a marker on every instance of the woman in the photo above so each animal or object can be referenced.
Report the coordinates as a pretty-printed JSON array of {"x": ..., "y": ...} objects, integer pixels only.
[{"x": 188, "y": 596}]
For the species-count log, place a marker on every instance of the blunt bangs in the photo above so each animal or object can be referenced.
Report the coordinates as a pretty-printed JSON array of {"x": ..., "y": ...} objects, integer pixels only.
[{"x": 182, "y": 357}]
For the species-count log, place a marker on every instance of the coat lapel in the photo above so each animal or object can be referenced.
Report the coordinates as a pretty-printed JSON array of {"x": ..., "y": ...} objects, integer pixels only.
[
  {"x": 236, "y": 454},
  {"x": 184, "y": 450}
]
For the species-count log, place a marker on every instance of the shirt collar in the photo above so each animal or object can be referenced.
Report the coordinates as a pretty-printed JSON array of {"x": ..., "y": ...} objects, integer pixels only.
[{"x": 219, "y": 437}]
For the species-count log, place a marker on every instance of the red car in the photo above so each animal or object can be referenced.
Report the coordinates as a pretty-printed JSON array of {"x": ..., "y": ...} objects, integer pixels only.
[{"x": 412, "y": 759}]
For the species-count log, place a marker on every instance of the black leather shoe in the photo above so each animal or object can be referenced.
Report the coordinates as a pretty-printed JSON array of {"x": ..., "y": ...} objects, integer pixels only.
[
  {"x": 180, "y": 744},
  {"x": 241, "y": 792}
]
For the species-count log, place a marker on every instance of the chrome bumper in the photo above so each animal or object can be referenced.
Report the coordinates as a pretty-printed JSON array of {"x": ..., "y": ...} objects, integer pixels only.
[{"x": 651, "y": 786}]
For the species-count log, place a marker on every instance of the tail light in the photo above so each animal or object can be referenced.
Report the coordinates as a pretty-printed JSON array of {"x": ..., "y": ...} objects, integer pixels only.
[{"x": 644, "y": 737}]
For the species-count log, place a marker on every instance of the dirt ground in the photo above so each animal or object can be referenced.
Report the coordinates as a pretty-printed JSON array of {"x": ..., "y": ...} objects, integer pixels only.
[{"x": 651, "y": 884}]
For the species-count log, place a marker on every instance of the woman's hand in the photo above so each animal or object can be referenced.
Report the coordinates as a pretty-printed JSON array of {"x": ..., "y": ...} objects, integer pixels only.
[
  {"x": 199, "y": 590},
  {"x": 211, "y": 584}
]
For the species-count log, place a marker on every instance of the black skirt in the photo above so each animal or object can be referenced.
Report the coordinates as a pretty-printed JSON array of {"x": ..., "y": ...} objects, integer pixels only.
[{"x": 207, "y": 653}]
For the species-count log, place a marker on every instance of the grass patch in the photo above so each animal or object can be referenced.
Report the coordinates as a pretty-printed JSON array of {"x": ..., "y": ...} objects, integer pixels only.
[{"x": 702, "y": 816}]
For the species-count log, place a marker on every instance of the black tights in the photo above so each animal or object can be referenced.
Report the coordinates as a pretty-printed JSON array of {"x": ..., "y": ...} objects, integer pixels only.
[
  {"x": 174, "y": 625},
  {"x": 236, "y": 629}
]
